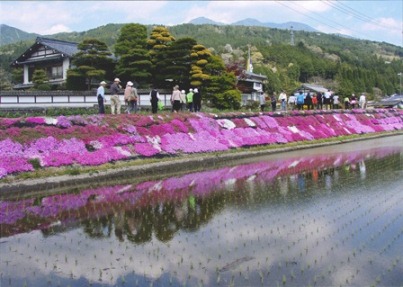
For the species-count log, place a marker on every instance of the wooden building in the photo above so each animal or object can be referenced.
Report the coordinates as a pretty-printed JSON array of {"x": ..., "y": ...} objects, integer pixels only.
[
  {"x": 54, "y": 56},
  {"x": 251, "y": 86}
]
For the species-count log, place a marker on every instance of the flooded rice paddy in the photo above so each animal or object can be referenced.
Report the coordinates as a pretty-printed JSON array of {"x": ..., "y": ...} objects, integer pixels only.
[{"x": 323, "y": 217}]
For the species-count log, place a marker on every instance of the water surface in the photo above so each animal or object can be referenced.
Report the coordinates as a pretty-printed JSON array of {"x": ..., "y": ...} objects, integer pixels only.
[{"x": 327, "y": 216}]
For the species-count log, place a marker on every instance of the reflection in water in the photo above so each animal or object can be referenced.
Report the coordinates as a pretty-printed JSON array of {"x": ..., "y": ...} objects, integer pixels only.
[{"x": 262, "y": 223}]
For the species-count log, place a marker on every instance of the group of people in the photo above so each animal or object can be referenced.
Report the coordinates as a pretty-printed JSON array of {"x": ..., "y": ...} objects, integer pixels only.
[
  {"x": 180, "y": 100},
  {"x": 282, "y": 99},
  {"x": 353, "y": 103},
  {"x": 312, "y": 100}
]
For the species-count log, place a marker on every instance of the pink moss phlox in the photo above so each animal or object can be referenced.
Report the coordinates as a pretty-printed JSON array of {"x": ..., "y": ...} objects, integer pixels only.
[
  {"x": 5, "y": 122},
  {"x": 145, "y": 149},
  {"x": 35, "y": 120},
  {"x": 63, "y": 122}
]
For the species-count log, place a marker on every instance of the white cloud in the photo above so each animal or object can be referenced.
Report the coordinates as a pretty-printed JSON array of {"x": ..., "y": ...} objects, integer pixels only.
[
  {"x": 49, "y": 17},
  {"x": 58, "y": 28},
  {"x": 36, "y": 17}
]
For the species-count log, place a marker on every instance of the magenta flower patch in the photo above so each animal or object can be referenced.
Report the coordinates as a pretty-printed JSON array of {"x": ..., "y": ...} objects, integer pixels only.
[{"x": 96, "y": 140}]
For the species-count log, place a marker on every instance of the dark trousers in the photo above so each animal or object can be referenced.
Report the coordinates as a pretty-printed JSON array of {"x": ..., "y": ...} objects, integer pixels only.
[
  {"x": 197, "y": 106},
  {"x": 101, "y": 106},
  {"x": 154, "y": 107}
]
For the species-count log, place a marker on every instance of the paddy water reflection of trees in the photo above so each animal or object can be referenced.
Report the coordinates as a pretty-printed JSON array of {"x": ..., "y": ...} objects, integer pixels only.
[{"x": 325, "y": 219}]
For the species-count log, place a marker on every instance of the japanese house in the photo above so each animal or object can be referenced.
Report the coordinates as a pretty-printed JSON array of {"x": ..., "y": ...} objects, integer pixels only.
[{"x": 54, "y": 56}]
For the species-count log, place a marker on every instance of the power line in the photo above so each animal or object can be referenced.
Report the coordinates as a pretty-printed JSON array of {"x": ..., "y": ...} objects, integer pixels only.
[
  {"x": 358, "y": 15},
  {"x": 315, "y": 19}
]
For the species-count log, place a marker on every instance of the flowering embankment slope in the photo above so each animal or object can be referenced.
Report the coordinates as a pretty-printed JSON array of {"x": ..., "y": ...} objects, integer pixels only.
[{"x": 33, "y": 142}]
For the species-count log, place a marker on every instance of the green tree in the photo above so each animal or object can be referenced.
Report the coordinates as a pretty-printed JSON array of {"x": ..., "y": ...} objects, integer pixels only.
[
  {"x": 91, "y": 62},
  {"x": 17, "y": 75},
  {"x": 200, "y": 58},
  {"x": 177, "y": 64},
  {"x": 40, "y": 79},
  {"x": 134, "y": 62},
  {"x": 5, "y": 82},
  {"x": 159, "y": 41},
  {"x": 220, "y": 88}
]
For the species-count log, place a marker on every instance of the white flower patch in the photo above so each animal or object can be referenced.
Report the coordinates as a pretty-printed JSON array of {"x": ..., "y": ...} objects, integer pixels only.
[
  {"x": 122, "y": 151},
  {"x": 96, "y": 145},
  {"x": 191, "y": 136},
  {"x": 226, "y": 124},
  {"x": 337, "y": 161},
  {"x": 230, "y": 183},
  {"x": 155, "y": 141},
  {"x": 249, "y": 122},
  {"x": 251, "y": 178},
  {"x": 347, "y": 130},
  {"x": 124, "y": 189},
  {"x": 50, "y": 121},
  {"x": 294, "y": 163},
  {"x": 312, "y": 128},
  {"x": 155, "y": 187},
  {"x": 336, "y": 117},
  {"x": 294, "y": 129}
]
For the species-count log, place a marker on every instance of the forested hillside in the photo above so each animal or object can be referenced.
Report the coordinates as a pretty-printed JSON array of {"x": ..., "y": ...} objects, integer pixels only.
[{"x": 344, "y": 64}]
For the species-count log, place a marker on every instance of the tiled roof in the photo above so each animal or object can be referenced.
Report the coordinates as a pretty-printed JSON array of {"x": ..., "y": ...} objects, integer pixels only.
[{"x": 68, "y": 48}]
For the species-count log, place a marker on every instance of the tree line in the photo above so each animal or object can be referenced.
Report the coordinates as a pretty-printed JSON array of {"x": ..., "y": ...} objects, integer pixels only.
[
  {"x": 171, "y": 56},
  {"x": 155, "y": 61}
]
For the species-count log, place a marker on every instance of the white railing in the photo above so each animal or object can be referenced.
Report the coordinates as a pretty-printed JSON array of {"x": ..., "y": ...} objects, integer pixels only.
[{"x": 15, "y": 99}]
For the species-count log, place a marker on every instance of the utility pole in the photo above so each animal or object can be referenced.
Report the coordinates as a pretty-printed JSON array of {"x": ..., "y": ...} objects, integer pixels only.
[
  {"x": 292, "y": 37},
  {"x": 400, "y": 86}
]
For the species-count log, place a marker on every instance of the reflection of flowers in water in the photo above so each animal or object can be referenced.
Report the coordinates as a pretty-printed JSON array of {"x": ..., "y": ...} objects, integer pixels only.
[{"x": 107, "y": 200}]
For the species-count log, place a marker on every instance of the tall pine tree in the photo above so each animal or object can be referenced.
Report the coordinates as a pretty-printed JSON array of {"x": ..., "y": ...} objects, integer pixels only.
[
  {"x": 134, "y": 62},
  {"x": 158, "y": 42}
]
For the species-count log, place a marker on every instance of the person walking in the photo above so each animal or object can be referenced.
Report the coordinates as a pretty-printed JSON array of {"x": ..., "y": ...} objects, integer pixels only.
[
  {"x": 292, "y": 101},
  {"x": 115, "y": 102},
  {"x": 262, "y": 101},
  {"x": 176, "y": 99},
  {"x": 362, "y": 101},
  {"x": 283, "y": 100},
  {"x": 131, "y": 97},
  {"x": 336, "y": 101},
  {"x": 346, "y": 101},
  {"x": 314, "y": 101},
  {"x": 273, "y": 102},
  {"x": 308, "y": 101},
  {"x": 327, "y": 99},
  {"x": 127, "y": 94},
  {"x": 300, "y": 100},
  {"x": 154, "y": 98},
  {"x": 196, "y": 100},
  {"x": 101, "y": 97},
  {"x": 189, "y": 100},
  {"x": 183, "y": 100},
  {"x": 320, "y": 101},
  {"x": 353, "y": 101}
]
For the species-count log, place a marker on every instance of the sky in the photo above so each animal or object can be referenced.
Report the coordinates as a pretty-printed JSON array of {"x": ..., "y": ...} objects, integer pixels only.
[{"x": 380, "y": 20}]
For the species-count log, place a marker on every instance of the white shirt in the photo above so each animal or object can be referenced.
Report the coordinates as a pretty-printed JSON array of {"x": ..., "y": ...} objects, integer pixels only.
[
  {"x": 101, "y": 91},
  {"x": 282, "y": 96}
]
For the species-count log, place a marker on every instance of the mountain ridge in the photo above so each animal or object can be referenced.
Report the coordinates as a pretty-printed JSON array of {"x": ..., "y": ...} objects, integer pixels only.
[
  {"x": 10, "y": 35},
  {"x": 297, "y": 26}
]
